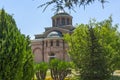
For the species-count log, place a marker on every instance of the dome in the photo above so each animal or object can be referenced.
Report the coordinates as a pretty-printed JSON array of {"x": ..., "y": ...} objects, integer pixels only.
[
  {"x": 54, "y": 34},
  {"x": 62, "y": 14}
]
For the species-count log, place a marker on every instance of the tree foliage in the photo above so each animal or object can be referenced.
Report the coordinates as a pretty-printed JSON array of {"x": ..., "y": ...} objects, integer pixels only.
[
  {"x": 16, "y": 61},
  {"x": 41, "y": 70},
  {"x": 59, "y": 69},
  {"x": 70, "y": 4},
  {"x": 28, "y": 67},
  {"x": 95, "y": 51}
]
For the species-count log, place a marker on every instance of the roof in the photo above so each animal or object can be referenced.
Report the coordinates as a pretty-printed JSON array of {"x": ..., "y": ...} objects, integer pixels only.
[
  {"x": 61, "y": 14},
  {"x": 54, "y": 34}
]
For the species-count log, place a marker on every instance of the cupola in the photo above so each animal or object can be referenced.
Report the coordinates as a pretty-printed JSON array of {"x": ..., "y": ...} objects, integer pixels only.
[{"x": 61, "y": 19}]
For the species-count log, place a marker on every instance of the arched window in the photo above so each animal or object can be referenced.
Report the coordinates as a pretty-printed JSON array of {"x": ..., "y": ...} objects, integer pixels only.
[
  {"x": 58, "y": 21},
  {"x": 68, "y": 22},
  {"x": 57, "y": 43},
  {"x": 54, "y": 34},
  {"x": 63, "y": 21},
  {"x": 53, "y": 23}
]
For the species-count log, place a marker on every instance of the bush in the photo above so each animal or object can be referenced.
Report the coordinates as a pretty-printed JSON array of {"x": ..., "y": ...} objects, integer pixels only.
[
  {"x": 41, "y": 70},
  {"x": 59, "y": 69}
]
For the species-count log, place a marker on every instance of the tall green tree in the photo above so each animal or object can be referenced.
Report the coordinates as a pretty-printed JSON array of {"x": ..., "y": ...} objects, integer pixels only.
[
  {"x": 95, "y": 51},
  {"x": 109, "y": 38},
  {"x": 28, "y": 66},
  {"x": 16, "y": 61},
  {"x": 95, "y": 66}
]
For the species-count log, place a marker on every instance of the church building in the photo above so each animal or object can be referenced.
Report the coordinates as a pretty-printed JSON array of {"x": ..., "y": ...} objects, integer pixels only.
[{"x": 51, "y": 44}]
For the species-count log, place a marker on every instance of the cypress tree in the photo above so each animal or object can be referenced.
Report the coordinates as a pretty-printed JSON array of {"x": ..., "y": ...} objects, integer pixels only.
[
  {"x": 95, "y": 51},
  {"x": 15, "y": 53},
  {"x": 95, "y": 66}
]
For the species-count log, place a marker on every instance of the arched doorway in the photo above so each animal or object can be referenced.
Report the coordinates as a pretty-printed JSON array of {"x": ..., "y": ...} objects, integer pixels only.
[
  {"x": 51, "y": 56},
  {"x": 37, "y": 55}
]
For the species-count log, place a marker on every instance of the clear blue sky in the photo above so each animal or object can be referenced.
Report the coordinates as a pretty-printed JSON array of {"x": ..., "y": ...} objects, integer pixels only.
[{"x": 31, "y": 20}]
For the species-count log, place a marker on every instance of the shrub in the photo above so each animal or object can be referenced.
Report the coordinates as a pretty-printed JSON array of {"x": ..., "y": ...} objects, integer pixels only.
[
  {"x": 59, "y": 69},
  {"x": 41, "y": 70}
]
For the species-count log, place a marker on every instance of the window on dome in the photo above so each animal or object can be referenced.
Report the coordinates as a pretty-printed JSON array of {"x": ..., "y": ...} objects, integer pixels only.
[
  {"x": 53, "y": 23},
  {"x": 58, "y": 21},
  {"x": 63, "y": 21},
  {"x": 68, "y": 21}
]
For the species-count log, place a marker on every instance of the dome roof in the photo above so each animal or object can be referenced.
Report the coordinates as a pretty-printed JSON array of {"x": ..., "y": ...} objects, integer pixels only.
[
  {"x": 62, "y": 13},
  {"x": 54, "y": 34}
]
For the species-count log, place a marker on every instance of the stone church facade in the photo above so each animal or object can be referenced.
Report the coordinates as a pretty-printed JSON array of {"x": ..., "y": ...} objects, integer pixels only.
[{"x": 50, "y": 44}]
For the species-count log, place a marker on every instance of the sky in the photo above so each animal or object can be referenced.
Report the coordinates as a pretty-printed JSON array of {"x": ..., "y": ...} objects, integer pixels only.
[{"x": 31, "y": 20}]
